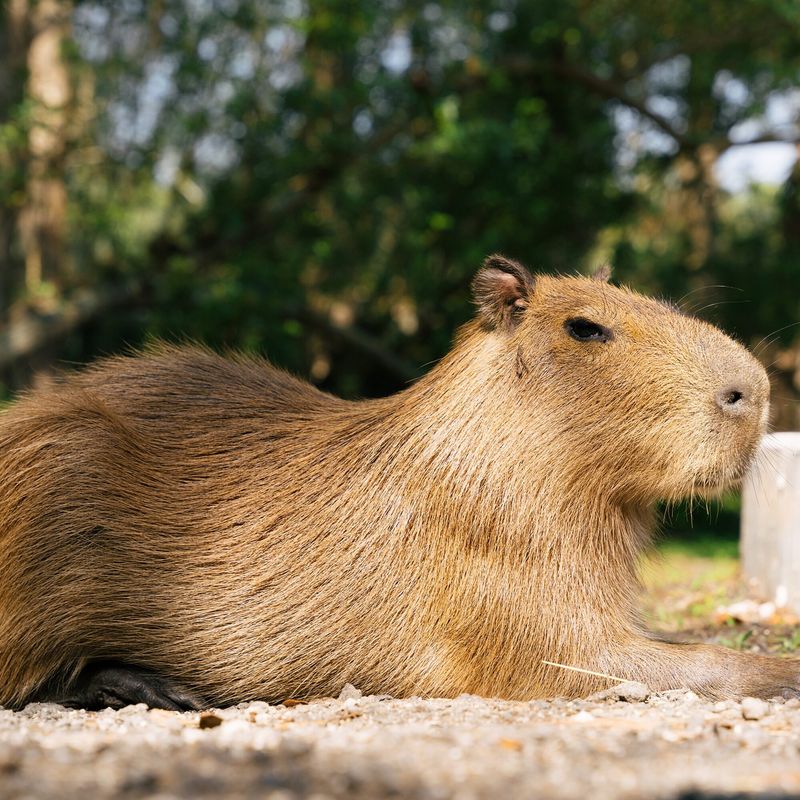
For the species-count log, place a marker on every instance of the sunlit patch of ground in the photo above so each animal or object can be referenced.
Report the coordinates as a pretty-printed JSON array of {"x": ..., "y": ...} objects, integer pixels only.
[{"x": 691, "y": 585}]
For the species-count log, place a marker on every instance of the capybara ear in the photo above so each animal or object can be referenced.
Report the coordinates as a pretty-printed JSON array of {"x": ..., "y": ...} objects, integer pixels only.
[
  {"x": 602, "y": 273},
  {"x": 501, "y": 290}
]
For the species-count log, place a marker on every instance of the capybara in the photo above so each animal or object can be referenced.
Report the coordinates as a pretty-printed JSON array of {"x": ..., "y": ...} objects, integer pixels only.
[{"x": 185, "y": 529}]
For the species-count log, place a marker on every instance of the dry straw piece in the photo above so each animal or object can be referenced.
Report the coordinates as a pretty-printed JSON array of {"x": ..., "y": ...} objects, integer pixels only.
[{"x": 585, "y": 671}]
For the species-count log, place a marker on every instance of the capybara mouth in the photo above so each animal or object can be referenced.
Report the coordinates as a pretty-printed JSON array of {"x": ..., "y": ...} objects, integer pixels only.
[
  {"x": 712, "y": 486},
  {"x": 728, "y": 475},
  {"x": 719, "y": 480}
]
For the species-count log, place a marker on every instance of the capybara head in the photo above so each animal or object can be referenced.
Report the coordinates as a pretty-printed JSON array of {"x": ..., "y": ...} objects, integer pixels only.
[{"x": 645, "y": 400}]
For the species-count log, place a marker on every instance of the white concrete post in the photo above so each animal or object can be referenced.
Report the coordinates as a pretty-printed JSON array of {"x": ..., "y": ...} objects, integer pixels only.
[{"x": 770, "y": 533}]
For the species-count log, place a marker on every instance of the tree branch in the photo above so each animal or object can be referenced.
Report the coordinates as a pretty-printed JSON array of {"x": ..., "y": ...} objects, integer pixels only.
[
  {"x": 613, "y": 91},
  {"x": 763, "y": 138}
]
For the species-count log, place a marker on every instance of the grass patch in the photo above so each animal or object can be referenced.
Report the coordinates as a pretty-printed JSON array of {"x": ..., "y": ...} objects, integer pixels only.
[
  {"x": 791, "y": 642},
  {"x": 739, "y": 641},
  {"x": 694, "y": 567},
  {"x": 693, "y": 570}
]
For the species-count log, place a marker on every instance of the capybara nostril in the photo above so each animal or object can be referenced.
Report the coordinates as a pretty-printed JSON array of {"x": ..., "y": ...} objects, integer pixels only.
[{"x": 733, "y": 399}]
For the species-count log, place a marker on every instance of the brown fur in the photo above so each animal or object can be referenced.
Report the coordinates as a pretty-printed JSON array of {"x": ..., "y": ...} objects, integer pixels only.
[{"x": 225, "y": 524}]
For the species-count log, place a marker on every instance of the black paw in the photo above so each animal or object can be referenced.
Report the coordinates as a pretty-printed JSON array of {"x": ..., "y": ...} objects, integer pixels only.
[{"x": 111, "y": 685}]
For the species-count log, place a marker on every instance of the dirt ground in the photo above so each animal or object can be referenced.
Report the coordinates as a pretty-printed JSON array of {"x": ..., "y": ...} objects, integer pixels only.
[
  {"x": 658, "y": 746},
  {"x": 625, "y": 743}
]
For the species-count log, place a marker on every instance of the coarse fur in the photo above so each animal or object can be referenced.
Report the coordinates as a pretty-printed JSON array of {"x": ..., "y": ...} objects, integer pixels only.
[{"x": 222, "y": 523}]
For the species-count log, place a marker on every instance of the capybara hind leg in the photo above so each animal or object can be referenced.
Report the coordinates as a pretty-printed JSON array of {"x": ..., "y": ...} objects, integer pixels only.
[{"x": 113, "y": 685}]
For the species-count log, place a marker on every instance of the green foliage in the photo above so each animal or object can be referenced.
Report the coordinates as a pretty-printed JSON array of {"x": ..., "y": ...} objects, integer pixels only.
[
  {"x": 737, "y": 642},
  {"x": 791, "y": 643},
  {"x": 712, "y": 525}
]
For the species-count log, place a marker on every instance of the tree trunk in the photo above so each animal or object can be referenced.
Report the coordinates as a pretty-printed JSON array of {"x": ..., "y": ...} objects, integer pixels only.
[
  {"x": 43, "y": 217},
  {"x": 14, "y": 37}
]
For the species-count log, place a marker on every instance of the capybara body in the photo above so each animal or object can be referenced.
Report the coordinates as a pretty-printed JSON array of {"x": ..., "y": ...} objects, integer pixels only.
[{"x": 221, "y": 523}]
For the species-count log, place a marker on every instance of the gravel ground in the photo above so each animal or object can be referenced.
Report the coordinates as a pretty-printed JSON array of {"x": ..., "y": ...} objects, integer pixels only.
[{"x": 623, "y": 743}]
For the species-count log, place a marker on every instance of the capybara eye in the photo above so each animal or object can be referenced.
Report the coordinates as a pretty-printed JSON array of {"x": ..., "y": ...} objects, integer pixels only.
[{"x": 585, "y": 330}]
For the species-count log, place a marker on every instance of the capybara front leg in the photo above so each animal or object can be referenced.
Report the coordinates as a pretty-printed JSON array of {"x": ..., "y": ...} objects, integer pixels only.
[
  {"x": 709, "y": 670},
  {"x": 113, "y": 685}
]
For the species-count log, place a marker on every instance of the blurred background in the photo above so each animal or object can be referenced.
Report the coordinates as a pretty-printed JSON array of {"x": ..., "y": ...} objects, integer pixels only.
[{"x": 319, "y": 181}]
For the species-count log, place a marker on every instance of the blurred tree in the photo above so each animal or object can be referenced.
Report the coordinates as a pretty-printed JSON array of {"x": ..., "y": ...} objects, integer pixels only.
[
  {"x": 13, "y": 47},
  {"x": 42, "y": 218}
]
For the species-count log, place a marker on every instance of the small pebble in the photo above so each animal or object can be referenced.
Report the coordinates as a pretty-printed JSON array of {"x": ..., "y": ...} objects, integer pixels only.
[
  {"x": 633, "y": 692},
  {"x": 630, "y": 691},
  {"x": 686, "y": 696},
  {"x": 753, "y": 708},
  {"x": 349, "y": 692},
  {"x": 43, "y": 710},
  {"x": 209, "y": 720}
]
